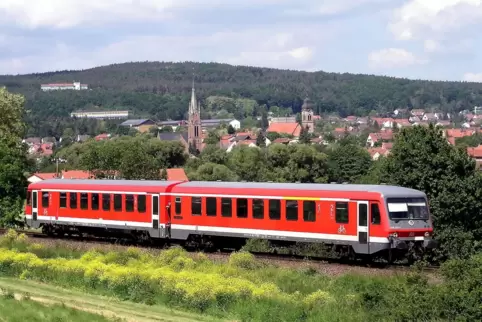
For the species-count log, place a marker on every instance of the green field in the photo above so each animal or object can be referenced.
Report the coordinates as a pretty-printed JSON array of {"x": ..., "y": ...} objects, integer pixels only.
[{"x": 150, "y": 284}]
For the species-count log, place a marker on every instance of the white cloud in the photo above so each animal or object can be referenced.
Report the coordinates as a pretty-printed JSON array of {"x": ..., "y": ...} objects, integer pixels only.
[
  {"x": 431, "y": 46},
  {"x": 473, "y": 77},
  {"x": 70, "y": 13},
  {"x": 421, "y": 18},
  {"x": 291, "y": 47},
  {"x": 393, "y": 58}
]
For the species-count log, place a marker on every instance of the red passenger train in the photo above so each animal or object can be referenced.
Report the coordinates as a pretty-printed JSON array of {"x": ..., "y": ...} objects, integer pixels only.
[{"x": 364, "y": 219}]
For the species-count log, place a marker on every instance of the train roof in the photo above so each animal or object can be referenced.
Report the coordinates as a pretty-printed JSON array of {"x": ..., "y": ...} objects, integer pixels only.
[
  {"x": 385, "y": 190},
  {"x": 102, "y": 182}
]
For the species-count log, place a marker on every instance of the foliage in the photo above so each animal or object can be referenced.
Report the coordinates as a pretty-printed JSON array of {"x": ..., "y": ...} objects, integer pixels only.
[
  {"x": 246, "y": 289},
  {"x": 139, "y": 157},
  {"x": 422, "y": 159},
  {"x": 13, "y": 158},
  {"x": 161, "y": 90},
  {"x": 26, "y": 309},
  {"x": 348, "y": 162}
]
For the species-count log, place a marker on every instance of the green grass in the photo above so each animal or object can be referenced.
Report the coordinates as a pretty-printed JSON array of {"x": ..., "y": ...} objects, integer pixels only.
[
  {"x": 148, "y": 284},
  {"x": 23, "y": 309}
]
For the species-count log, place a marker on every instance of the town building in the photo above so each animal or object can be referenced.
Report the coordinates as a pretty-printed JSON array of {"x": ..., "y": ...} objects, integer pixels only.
[
  {"x": 142, "y": 125},
  {"x": 307, "y": 115},
  {"x": 77, "y": 86},
  {"x": 101, "y": 114}
]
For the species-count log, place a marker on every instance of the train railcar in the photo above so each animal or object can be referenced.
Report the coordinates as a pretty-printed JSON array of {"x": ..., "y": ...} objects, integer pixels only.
[
  {"x": 100, "y": 207},
  {"x": 365, "y": 219},
  {"x": 369, "y": 219}
]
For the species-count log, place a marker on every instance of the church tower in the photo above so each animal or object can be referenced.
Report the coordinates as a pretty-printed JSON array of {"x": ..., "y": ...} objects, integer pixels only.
[
  {"x": 307, "y": 115},
  {"x": 194, "y": 121}
]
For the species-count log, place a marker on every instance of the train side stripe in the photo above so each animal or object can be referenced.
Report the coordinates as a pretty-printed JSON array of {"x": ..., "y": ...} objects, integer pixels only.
[
  {"x": 278, "y": 233},
  {"x": 96, "y": 221}
]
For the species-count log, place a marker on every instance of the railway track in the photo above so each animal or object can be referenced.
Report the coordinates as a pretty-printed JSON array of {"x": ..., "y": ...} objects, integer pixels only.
[{"x": 258, "y": 255}]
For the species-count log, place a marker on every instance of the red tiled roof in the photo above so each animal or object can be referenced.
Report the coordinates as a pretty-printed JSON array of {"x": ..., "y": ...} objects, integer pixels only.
[
  {"x": 176, "y": 174},
  {"x": 381, "y": 151},
  {"x": 459, "y": 133},
  {"x": 403, "y": 122},
  {"x": 475, "y": 152},
  {"x": 387, "y": 145},
  {"x": 76, "y": 174},
  {"x": 451, "y": 140},
  {"x": 387, "y": 135},
  {"x": 282, "y": 140},
  {"x": 288, "y": 128},
  {"x": 45, "y": 176}
]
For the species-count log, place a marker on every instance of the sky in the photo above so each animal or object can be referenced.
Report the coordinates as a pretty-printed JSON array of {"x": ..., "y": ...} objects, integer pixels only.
[{"x": 417, "y": 39}]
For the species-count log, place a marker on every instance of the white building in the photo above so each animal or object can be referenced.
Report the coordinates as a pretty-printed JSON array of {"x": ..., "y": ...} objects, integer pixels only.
[
  {"x": 101, "y": 114},
  {"x": 61, "y": 86}
]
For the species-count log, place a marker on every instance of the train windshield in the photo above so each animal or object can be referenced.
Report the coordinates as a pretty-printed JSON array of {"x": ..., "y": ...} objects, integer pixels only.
[{"x": 407, "y": 208}]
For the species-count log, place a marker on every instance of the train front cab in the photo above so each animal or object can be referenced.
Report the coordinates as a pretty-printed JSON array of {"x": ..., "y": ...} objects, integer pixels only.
[{"x": 410, "y": 225}]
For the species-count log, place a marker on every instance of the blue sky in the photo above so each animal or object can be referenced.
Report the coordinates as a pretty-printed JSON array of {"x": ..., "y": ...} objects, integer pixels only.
[{"x": 423, "y": 39}]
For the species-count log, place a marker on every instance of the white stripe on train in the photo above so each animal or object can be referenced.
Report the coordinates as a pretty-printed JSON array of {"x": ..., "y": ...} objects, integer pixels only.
[{"x": 260, "y": 233}]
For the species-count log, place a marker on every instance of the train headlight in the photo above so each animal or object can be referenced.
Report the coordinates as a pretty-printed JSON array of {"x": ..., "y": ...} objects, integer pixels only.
[
  {"x": 427, "y": 234},
  {"x": 394, "y": 235}
]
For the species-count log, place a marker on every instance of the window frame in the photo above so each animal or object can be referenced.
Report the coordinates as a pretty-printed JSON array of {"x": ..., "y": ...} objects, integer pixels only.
[
  {"x": 106, "y": 201},
  {"x": 118, "y": 202},
  {"x": 177, "y": 206},
  {"x": 338, "y": 214},
  {"x": 270, "y": 204},
  {"x": 306, "y": 217},
  {"x": 255, "y": 206},
  {"x": 129, "y": 201},
  {"x": 289, "y": 214},
  {"x": 142, "y": 203},
  {"x": 45, "y": 200},
  {"x": 209, "y": 203},
  {"x": 63, "y": 204},
  {"x": 73, "y": 197},
  {"x": 243, "y": 207},
  {"x": 374, "y": 206},
  {"x": 84, "y": 200},
  {"x": 224, "y": 206},
  {"x": 94, "y": 202},
  {"x": 198, "y": 201}
]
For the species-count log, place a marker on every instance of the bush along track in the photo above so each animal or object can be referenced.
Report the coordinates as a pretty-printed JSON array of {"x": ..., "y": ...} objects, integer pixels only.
[{"x": 245, "y": 289}]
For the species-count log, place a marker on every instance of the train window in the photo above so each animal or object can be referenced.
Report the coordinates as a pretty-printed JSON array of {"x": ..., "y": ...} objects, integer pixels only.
[
  {"x": 141, "y": 203},
  {"x": 341, "y": 215},
  {"x": 178, "y": 206},
  {"x": 129, "y": 203},
  {"x": 291, "y": 210},
  {"x": 63, "y": 200},
  {"x": 211, "y": 207},
  {"x": 226, "y": 210},
  {"x": 309, "y": 210},
  {"x": 45, "y": 199},
  {"x": 94, "y": 201},
  {"x": 73, "y": 200},
  {"x": 84, "y": 200},
  {"x": 242, "y": 208},
  {"x": 376, "y": 218},
  {"x": 106, "y": 202},
  {"x": 275, "y": 209},
  {"x": 117, "y": 202},
  {"x": 196, "y": 208},
  {"x": 362, "y": 215},
  {"x": 34, "y": 199},
  {"x": 258, "y": 208}
]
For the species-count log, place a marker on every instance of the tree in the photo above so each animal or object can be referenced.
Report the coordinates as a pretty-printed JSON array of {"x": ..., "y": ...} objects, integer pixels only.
[
  {"x": 212, "y": 172},
  {"x": 231, "y": 129},
  {"x": 14, "y": 164},
  {"x": 305, "y": 136},
  {"x": 422, "y": 159},
  {"x": 348, "y": 162},
  {"x": 261, "y": 139}
]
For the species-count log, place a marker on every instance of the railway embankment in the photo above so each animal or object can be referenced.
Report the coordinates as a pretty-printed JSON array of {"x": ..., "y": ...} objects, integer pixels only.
[{"x": 241, "y": 287}]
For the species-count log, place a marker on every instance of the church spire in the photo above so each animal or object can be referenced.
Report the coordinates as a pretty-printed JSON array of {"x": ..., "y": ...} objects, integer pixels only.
[{"x": 193, "y": 105}]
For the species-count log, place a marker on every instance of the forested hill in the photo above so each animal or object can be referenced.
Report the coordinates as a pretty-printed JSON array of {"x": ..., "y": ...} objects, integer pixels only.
[{"x": 161, "y": 90}]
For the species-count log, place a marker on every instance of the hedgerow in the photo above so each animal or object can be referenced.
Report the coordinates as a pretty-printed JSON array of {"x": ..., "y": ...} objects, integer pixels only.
[{"x": 243, "y": 288}]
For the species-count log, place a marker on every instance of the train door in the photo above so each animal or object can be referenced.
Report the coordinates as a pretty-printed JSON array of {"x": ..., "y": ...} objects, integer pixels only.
[
  {"x": 363, "y": 232},
  {"x": 155, "y": 211},
  {"x": 34, "y": 205}
]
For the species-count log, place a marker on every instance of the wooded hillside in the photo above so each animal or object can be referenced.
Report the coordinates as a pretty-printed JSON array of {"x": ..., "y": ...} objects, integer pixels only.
[{"x": 161, "y": 90}]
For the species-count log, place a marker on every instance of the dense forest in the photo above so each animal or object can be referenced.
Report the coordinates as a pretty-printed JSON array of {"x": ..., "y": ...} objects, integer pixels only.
[{"x": 161, "y": 90}]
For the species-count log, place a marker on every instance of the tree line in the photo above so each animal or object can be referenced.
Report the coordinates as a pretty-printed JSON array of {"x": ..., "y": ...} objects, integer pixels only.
[{"x": 161, "y": 90}]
